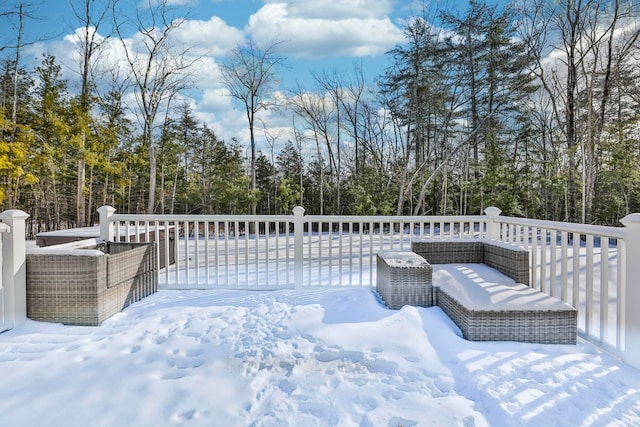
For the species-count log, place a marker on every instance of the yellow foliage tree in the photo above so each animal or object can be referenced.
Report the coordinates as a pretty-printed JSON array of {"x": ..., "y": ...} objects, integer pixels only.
[{"x": 15, "y": 141}]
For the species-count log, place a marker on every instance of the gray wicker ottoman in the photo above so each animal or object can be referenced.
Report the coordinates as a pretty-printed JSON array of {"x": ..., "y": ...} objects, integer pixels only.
[{"x": 403, "y": 278}]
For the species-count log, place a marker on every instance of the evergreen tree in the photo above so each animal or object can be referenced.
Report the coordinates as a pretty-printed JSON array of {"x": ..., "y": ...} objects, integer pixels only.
[
  {"x": 290, "y": 178},
  {"x": 50, "y": 118},
  {"x": 495, "y": 75},
  {"x": 266, "y": 182},
  {"x": 230, "y": 186}
]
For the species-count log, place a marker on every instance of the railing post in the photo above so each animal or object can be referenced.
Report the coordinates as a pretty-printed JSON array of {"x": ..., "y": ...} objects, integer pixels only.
[
  {"x": 298, "y": 242},
  {"x": 492, "y": 225},
  {"x": 106, "y": 231},
  {"x": 632, "y": 289},
  {"x": 14, "y": 267}
]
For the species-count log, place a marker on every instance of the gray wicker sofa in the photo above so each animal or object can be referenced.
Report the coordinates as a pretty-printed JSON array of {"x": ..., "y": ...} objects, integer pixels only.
[
  {"x": 482, "y": 285},
  {"x": 86, "y": 282}
]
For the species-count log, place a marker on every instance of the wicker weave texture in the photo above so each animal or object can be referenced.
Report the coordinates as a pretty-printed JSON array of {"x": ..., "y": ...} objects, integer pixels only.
[
  {"x": 78, "y": 290},
  {"x": 127, "y": 260},
  {"x": 512, "y": 261},
  {"x": 465, "y": 251},
  {"x": 532, "y": 326},
  {"x": 404, "y": 285}
]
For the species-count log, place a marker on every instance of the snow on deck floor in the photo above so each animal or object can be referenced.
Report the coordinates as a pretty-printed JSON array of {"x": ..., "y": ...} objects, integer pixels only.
[{"x": 299, "y": 358}]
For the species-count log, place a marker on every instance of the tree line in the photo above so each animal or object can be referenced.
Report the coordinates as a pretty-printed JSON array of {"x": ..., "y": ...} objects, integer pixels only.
[{"x": 533, "y": 107}]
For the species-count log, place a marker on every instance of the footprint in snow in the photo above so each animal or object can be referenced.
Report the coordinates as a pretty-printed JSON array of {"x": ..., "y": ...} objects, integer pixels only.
[
  {"x": 132, "y": 349},
  {"x": 309, "y": 338},
  {"x": 159, "y": 340},
  {"x": 287, "y": 387},
  {"x": 186, "y": 363},
  {"x": 172, "y": 375}
]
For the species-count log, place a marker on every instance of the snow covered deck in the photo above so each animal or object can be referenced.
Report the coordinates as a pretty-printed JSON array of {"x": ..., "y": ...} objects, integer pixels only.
[{"x": 320, "y": 357}]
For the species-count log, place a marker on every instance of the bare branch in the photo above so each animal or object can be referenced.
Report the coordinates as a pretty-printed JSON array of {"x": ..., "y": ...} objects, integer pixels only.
[
  {"x": 250, "y": 74},
  {"x": 159, "y": 70}
]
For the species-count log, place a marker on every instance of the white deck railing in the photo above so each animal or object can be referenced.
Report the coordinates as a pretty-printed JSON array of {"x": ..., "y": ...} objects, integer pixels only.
[
  {"x": 581, "y": 264},
  {"x": 274, "y": 252},
  {"x": 13, "y": 272}
]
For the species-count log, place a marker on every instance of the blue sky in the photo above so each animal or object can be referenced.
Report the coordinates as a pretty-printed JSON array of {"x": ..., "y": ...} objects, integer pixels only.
[{"x": 318, "y": 36}]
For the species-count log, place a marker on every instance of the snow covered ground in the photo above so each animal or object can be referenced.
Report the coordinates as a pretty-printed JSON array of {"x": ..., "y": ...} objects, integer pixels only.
[{"x": 329, "y": 357}]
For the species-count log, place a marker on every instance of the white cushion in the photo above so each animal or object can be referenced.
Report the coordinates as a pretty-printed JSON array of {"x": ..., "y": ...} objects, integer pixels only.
[{"x": 480, "y": 287}]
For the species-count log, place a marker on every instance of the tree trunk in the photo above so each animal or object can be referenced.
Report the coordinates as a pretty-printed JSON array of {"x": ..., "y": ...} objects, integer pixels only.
[
  {"x": 14, "y": 107},
  {"x": 251, "y": 116},
  {"x": 152, "y": 178},
  {"x": 81, "y": 207}
]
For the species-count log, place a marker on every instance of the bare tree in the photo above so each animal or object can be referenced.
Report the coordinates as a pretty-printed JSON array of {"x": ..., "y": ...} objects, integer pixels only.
[
  {"x": 250, "y": 74},
  {"x": 91, "y": 18},
  {"x": 592, "y": 47},
  {"x": 160, "y": 69},
  {"x": 317, "y": 113},
  {"x": 271, "y": 136},
  {"x": 352, "y": 104},
  {"x": 611, "y": 47}
]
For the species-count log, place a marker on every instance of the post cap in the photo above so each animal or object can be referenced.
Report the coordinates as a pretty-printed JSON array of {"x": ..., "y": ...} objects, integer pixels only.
[
  {"x": 106, "y": 210},
  {"x": 631, "y": 219},
  {"x": 492, "y": 210},
  {"x": 15, "y": 214}
]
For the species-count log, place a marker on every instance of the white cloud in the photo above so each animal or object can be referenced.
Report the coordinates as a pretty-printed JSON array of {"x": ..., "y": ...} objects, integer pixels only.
[
  {"x": 212, "y": 37},
  {"x": 337, "y": 9},
  {"x": 333, "y": 29},
  {"x": 79, "y": 35},
  {"x": 225, "y": 125},
  {"x": 67, "y": 52},
  {"x": 310, "y": 29},
  {"x": 217, "y": 110},
  {"x": 216, "y": 100}
]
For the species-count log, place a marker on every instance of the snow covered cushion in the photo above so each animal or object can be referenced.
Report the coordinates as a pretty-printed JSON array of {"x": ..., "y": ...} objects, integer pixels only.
[{"x": 480, "y": 287}]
